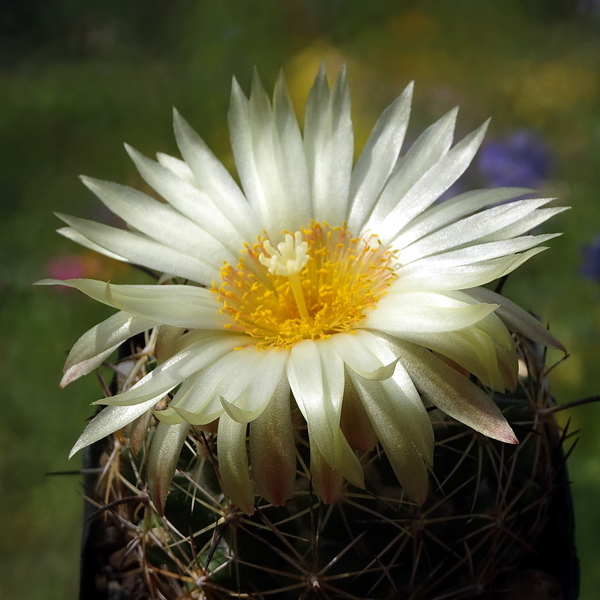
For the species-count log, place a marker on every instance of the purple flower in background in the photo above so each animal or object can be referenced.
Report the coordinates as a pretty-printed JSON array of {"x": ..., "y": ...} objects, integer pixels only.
[
  {"x": 590, "y": 266},
  {"x": 519, "y": 160}
]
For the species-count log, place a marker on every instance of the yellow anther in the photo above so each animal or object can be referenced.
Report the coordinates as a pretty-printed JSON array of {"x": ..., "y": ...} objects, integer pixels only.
[{"x": 317, "y": 282}]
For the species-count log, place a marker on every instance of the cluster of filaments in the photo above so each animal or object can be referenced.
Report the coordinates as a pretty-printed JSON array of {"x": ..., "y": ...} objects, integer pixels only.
[{"x": 317, "y": 282}]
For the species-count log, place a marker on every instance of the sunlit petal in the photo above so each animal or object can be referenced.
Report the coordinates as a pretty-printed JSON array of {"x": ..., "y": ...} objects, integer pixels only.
[{"x": 315, "y": 303}]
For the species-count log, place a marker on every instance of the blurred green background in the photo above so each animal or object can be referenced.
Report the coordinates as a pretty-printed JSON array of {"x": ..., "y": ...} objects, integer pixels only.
[{"x": 77, "y": 78}]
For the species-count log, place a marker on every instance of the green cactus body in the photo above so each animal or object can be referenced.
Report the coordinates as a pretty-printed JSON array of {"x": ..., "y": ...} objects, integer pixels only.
[{"x": 480, "y": 533}]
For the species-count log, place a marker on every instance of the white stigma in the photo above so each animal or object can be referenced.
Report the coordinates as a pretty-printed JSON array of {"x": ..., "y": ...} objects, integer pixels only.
[{"x": 289, "y": 258}]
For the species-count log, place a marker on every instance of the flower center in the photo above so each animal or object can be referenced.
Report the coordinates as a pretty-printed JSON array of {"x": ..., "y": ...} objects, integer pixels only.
[{"x": 317, "y": 282}]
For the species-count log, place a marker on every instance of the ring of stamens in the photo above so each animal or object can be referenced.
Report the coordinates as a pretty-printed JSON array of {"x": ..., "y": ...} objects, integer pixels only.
[{"x": 317, "y": 282}]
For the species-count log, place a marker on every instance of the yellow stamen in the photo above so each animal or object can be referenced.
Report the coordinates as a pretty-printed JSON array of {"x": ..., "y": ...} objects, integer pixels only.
[
  {"x": 318, "y": 282},
  {"x": 296, "y": 286}
]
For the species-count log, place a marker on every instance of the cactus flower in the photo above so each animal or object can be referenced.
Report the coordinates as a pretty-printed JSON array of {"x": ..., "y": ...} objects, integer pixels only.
[{"x": 343, "y": 288}]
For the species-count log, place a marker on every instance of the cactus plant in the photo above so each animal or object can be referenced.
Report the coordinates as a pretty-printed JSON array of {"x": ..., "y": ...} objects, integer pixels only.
[
  {"x": 480, "y": 533},
  {"x": 302, "y": 342}
]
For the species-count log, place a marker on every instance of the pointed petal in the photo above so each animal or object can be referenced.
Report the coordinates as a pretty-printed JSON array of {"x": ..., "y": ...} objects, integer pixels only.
[
  {"x": 109, "y": 420},
  {"x": 141, "y": 250},
  {"x": 402, "y": 392},
  {"x": 359, "y": 358},
  {"x": 453, "y": 393},
  {"x": 214, "y": 179},
  {"x": 229, "y": 376},
  {"x": 185, "y": 306},
  {"x": 526, "y": 224},
  {"x": 317, "y": 382},
  {"x": 240, "y": 414},
  {"x": 202, "y": 418},
  {"x": 452, "y": 210},
  {"x": 289, "y": 154},
  {"x": 261, "y": 376},
  {"x": 408, "y": 464},
  {"x": 165, "y": 448},
  {"x": 80, "y": 239},
  {"x": 414, "y": 277},
  {"x": 378, "y": 158},
  {"x": 179, "y": 367},
  {"x": 431, "y": 186},
  {"x": 272, "y": 448},
  {"x": 94, "y": 346},
  {"x": 168, "y": 416},
  {"x": 158, "y": 220},
  {"x": 431, "y": 146},
  {"x": 480, "y": 252},
  {"x": 194, "y": 204},
  {"x": 329, "y": 147},
  {"x": 241, "y": 129},
  {"x": 412, "y": 312},
  {"x": 518, "y": 319},
  {"x": 233, "y": 463},
  {"x": 473, "y": 349},
  {"x": 178, "y": 167},
  {"x": 470, "y": 229}
]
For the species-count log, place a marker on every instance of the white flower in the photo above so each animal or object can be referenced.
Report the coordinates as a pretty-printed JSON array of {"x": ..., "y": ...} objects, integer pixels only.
[{"x": 348, "y": 291}]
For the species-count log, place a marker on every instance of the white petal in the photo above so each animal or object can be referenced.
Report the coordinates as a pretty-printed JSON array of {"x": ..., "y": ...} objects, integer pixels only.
[
  {"x": 141, "y": 250},
  {"x": 262, "y": 374},
  {"x": 168, "y": 416},
  {"x": 417, "y": 277},
  {"x": 78, "y": 238},
  {"x": 290, "y": 157},
  {"x": 109, "y": 420},
  {"x": 481, "y": 252},
  {"x": 360, "y": 358},
  {"x": 378, "y": 158},
  {"x": 470, "y": 230},
  {"x": 171, "y": 373},
  {"x": 452, "y": 210},
  {"x": 268, "y": 150},
  {"x": 177, "y": 166},
  {"x": 431, "y": 186},
  {"x": 518, "y": 319},
  {"x": 423, "y": 312},
  {"x": 233, "y": 463},
  {"x": 429, "y": 148},
  {"x": 390, "y": 418},
  {"x": 159, "y": 221},
  {"x": 94, "y": 346},
  {"x": 244, "y": 123},
  {"x": 240, "y": 382},
  {"x": 453, "y": 393},
  {"x": 186, "y": 306},
  {"x": 214, "y": 179},
  {"x": 472, "y": 349},
  {"x": 526, "y": 224},
  {"x": 191, "y": 202},
  {"x": 329, "y": 147},
  {"x": 316, "y": 376},
  {"x": 165, "y": 448},
  {"x": 414, "y": 417},
  {"x": 402, "y": 391}
]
